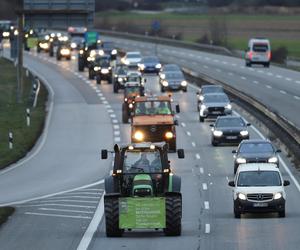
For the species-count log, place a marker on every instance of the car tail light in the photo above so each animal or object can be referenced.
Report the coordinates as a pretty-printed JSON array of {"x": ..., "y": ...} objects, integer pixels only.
[
  {"x": 269, "y": 55},
  {"x": 250, "y": 54}
]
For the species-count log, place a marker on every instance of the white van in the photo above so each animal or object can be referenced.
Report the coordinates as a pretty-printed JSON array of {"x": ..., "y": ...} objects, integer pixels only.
[{"x": 258, "y": 52}]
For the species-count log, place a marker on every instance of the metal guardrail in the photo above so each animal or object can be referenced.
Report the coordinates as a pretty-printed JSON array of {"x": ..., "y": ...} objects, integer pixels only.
[{"x": 166, "y": 41}]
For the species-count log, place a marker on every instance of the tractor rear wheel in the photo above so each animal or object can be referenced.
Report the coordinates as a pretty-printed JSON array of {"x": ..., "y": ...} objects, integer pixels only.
[
  {"x": 173, "y": 215},
  {"x": 111, "y": 206}
]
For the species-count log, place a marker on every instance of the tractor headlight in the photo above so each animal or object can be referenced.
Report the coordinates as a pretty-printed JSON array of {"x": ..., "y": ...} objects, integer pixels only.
[
  {"x": 47, "y": 37},
  {"x": 114, "y": 52},
  {"x": 162, "y": 76},
  {"x": 73, "y": 45},
  {"x": 141, "y": 66},
  {"x": 5, "y": 34},
  {"x": 96, "y": 68},
  {"x": 120, "y": 79},
  {"x": 169, "y": 135},
  {"x": 65, "y": 52},
  {"x": 228, "y": 106},
  {"x": 90, "y": 59},
  {"x": 165, "y": 83},
  {"x": 277, "y": 196},
  {"x": 92, "y": 53},
  {"x": 101, "y": 52},
  {"x": 130, "y": 105},
  {"x": 203, "y": 107},
  {"x": 201, "y": 97},
  {"x": 44, "y": 45},
  {"x": 158, "y": 66},
  {"x": 104, "y": 71},
  {"x": 81, "y": 52},
  {"x": 139, "y": 136}
]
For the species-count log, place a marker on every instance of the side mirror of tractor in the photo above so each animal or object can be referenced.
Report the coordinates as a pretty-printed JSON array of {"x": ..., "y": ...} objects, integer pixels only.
[
  {"x": 177, "y": 108},
  {"x": 234, "y": 151},
  {"x": 176, "y": 122},
  {"x": 231, "y": 183},
  {"x": 104, "y": 154},
  {"x": 248, "y": 124},
  {"x": 286, "y": 183},
  {"x": 180, "y": 153}
]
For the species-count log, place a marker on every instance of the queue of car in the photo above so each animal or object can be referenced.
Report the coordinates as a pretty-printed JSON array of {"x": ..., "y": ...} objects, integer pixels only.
[{"x": 258, "y": 185}]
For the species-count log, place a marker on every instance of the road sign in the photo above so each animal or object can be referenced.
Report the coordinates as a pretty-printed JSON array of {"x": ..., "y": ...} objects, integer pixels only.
[{"x": 91, "y": 37}]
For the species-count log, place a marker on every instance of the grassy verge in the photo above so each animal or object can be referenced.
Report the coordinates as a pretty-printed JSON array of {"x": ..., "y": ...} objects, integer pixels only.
[
  {"x": 5, "y": 212},
  {"x": 13, "y": 115}
]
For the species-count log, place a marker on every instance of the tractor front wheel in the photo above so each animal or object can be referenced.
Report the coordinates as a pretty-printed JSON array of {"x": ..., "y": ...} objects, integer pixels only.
[
  {"x": 173, "y": 215},
  {"x": 111, "y": 206}
]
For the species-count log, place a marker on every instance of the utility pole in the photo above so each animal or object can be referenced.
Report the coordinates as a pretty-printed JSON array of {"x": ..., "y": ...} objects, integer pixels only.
[{"x": 20, "y": 57}]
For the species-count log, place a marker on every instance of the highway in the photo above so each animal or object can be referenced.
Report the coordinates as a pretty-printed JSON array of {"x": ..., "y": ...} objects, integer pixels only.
[{"x": 65, "y": 169}]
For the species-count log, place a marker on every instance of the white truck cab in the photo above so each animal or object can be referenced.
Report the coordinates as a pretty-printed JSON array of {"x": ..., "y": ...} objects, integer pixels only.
[
  {"x": 258, "y": 187},
  {"x": 258, "y": 52}
]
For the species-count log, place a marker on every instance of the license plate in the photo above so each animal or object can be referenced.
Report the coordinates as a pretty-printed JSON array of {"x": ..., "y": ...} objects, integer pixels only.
[
  {"x": 231, "y": 137},
  {"x": 260, "y": 204},
  {"x": 216, "y": 112}
]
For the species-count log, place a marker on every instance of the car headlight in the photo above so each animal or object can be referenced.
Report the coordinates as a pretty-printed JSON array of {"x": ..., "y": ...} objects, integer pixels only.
[
  {"x": 65, "y": 52},
  {"x": 165, "y": 83},
  {"x": 240, "y": 160},
  {"x": 73, "y": 45},
  {"x": 92, "y": 53},
  {"x": 47, "y": 37},
  {"x": 104, "y": 71},
  {"x": 184, "y": 83},
  {"x": 44, "y": 45},
  {"x": 120, "y": 79},
  {"x": 130, "y": 105},
  {"x": 158, "y": 66},
  {"x": 125, "y": 100},
  {"x": 101, "y": 52},
  {"x": 142, "y": 66},
  {"x": 228, "y": 106},
  {"x": 203, "y": 107},
  {"x": 169, "y": 135},
  {"x": 90, "y": 59},
  {"x": 81, "y": 52},
  {"x": 96, "y": 68},
  {"x": 114, "y": 52},
  {"x": 5, "y": 34},
  {"x": 242, "y": 196},
  {"x": 277, "y": 196},
  {"x": 201, "y": 97},
  {"x": 217, "y": 133},
  {"x": 139, "y": 136},
  {"x": 162, "y": 76},
  {"x": 244, "y": 133},
  {"x": 273, "y": 159}
]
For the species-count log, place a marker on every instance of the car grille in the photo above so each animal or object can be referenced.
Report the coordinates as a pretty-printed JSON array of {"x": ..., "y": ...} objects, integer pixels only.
[
  {"x": 233, "y": 133},
  {"x": 212, "y": 109},
  {"x": 257, "y": 160},
  {"x": 259, "y": 197}
]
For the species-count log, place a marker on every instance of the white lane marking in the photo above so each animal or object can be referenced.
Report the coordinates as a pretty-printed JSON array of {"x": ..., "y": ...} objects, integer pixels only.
[
  {"x": 98, "y": 90},
  {"x": 112, "y": 115},
  {"x": 198, "y": 156},
  {"x": 205, "y": 66},
  {"x": 288, "y": 79},
  {"x": 102, "y": 98},
  {"x": 218, "y": 70},
  {"x": 100, "y": 94},
  {"x": 188, "y": 133},
  {"x": 297, "y": 82},
  {"x": 183, "y": 124},
  {"x": 279, "y": 76},
  {"x": 74, "y": 196},
  {"x": 233, "y": 64},
  {"x": 53, "y": 194},
  {"x": 108, "y": 106},
  {"x": 201, "y": 170},
  {"x": 207, "y": 58},
  {"x": 206, "y": 204},
  {"x": 70, "y": 200},
  {"x": 225, "y": 62},
  {"x": 177, "y": 116},
  {"x": 105, "y": 102},
  {"x": 110, "y": 111},
  {"x": 207, "y": 228},
  {"x": 116, "y": 132},
  {"x": 296, "y": 97},
  {"x": 114, "y": 121},
  {"x": 193, "y": 144},
  {"x": 116, "y": 126},
  {"x": 89, "y": 233},
  {"x": 204, "y": 186},
  {"x": 230, "y": 73},
  {"x": 65, "y": 210},
  {"x": 260, "y": 71},
  {"x": 282, "y": 92},
  {"x": 117, "y": 139},
  {"x": 270, "y": 74},
  {"x": 60, "y": 215},
  {"x": 46, "y": 129},
  {"x": 58, "y": 205},
  {"x": 268, "y": 86},
  {"x": 243, "y": 78},
  {"x": 216, "y": 60},
  {"x": 256, "y": 82},
  {"x": 281, "y": 162}
]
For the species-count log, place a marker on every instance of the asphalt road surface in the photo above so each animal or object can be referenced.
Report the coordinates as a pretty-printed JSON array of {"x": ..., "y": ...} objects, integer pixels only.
[{"x": 65, "y": 174}]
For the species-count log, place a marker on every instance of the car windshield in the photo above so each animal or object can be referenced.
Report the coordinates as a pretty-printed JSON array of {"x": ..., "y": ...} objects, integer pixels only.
[
  {"x": 132, "y": 90},
  {"x": 216, "y": 98},
  {"x": 230, "y": 122},
  {"x": 145, "y": 161},
  {"x": 133, "y": 56},
  {"x": 174, "y": 75},
  {"x": 212, "y": 89},
  {"x": 153, "y": 108},
  {"x": 150, "y": 60},
  {"x": 260, "y": 47},
  {"x": 258, "y": 179},
  {"x": 256, "y": 148}
]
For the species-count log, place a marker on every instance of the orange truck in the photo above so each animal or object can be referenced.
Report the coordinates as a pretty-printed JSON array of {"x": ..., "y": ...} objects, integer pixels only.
[{"x": 153, "y": 120}]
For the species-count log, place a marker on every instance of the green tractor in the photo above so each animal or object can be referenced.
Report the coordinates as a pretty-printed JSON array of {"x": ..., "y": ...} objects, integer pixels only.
[{"x": 142, "y": 192}]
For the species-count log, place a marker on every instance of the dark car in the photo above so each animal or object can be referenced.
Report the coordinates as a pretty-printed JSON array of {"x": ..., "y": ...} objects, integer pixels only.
[
  {"x": 149, "y": 64},
  {"x": 214, "y": 105},
  {"x": 63, "y": 51},
  {"x": 119, "y": 77},
  {"x": 101, "y": 69},
  {"x": 43, "y": 44},
  {"x": 207, "y": 89},
  {"x": 168, "y": 68},
  {"x": 110, "y": 48},
  {"x": 250, "y": 151},
  {"x": 232, "y": 129},
  {"x": 173, "y": 81}
]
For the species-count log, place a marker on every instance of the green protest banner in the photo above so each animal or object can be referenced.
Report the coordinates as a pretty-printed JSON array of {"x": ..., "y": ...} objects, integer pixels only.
[
  {"x": 32, "y": 42},
  {"x": 91, "y": 37},
  {"x": 142, "y": 213}
]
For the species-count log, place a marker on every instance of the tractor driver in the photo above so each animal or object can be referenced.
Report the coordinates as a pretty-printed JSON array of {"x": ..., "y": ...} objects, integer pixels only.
[
  {"x": 142, "y": 163},
  {"x": 163, "y": 109}
]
